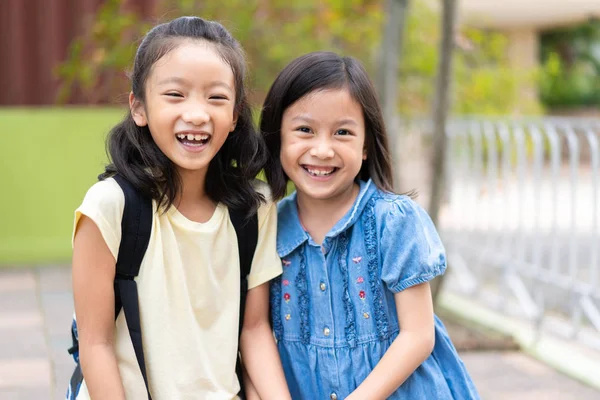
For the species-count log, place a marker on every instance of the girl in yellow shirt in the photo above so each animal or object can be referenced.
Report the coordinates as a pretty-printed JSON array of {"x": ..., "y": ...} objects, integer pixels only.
[{"x": 187, "y": 142}]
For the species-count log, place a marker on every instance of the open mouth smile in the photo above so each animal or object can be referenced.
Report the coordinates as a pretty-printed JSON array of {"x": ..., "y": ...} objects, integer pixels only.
[
  {"x": 319, "y": 172},
  {"x": 193, "y": 139}
]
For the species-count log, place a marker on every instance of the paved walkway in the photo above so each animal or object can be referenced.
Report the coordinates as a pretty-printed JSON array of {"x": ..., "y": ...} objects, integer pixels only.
[{"x": 35, "y": 314}]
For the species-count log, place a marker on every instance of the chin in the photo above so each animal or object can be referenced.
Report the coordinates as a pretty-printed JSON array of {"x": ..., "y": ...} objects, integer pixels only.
[
  {"x": 191, "y": 167},
  {"x": 317, "y": 193}
]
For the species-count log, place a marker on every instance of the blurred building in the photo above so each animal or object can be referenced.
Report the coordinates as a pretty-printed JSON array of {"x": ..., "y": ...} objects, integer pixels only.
[
  {"x": 524, "y": 22},
  {"x": 35, "y": 36}
]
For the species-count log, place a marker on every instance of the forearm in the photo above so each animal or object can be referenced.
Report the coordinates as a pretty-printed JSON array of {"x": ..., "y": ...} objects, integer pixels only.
[
  {"x": 261, "y": 360},
  {"x": 250, "y": 390},
  {"x": 102, "y": 377},
  {"x": 404, "y": 356}
]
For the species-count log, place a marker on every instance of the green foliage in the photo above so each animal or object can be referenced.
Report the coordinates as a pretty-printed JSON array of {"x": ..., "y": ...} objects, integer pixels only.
[
  {"x": 276, "y": 31},
  {"x": 484, "y": 82},
  {"x": 98, "y": 59},
  {"x": 571, "y": 66}
]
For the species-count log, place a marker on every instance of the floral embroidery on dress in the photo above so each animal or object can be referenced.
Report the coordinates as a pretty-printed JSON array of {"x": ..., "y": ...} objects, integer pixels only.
[
  {"x": 287, "y": 297},
  {"x": 286, "y": 263},
  {"x": 362, "y": 294}
]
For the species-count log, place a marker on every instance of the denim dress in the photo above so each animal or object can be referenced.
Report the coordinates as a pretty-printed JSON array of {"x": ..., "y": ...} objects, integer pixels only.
[{"x": 333, "y": 309}]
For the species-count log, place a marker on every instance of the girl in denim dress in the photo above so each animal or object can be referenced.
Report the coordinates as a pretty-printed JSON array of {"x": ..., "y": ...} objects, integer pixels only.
[{"x": 352, "y": 312}]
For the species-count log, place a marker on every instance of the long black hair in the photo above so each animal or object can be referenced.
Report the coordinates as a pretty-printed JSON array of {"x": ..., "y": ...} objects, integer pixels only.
[
  {"x": 136, "y": 157},
  {"x": 321, "y": 71}
]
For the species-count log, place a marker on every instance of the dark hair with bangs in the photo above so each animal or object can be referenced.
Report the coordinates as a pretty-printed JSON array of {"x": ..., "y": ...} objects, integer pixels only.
[
  {"x": 135, "y": 155},
  {"x": 321, "y": 71}
]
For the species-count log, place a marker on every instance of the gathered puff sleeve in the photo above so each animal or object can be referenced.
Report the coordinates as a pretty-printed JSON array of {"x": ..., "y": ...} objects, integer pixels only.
[
  {"x": 266, "y": 263},
  {"x": 411, "y": 249}
]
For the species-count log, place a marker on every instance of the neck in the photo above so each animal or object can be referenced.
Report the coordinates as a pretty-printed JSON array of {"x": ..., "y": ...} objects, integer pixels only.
[
  {"x": 193, "y": 186},
  {"x": 318, "y": 216},
  {"x": 192, "y": 201}
]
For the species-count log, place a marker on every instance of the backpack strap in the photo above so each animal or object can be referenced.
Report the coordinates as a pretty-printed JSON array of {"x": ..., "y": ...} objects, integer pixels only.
[
  {"x": 246, "y": 230},
  {"x": 136, "y": 227}
]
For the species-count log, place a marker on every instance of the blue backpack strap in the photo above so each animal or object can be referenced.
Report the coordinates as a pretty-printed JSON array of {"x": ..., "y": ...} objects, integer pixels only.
[
  {"x": 136, "y": 227},
  {"x": 246, "y": 230}
]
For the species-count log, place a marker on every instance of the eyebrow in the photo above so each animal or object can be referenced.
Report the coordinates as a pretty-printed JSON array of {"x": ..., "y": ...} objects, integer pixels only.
[
  {"x": 306, "y": 118},
  {"x": 183, "y": 81},
  {"x": 220, "y": 84},
  {"x": 172, "y": 79}
]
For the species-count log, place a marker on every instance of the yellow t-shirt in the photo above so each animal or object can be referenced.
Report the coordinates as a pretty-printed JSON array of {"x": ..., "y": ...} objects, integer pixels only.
[{"x": 189, "y": 296}]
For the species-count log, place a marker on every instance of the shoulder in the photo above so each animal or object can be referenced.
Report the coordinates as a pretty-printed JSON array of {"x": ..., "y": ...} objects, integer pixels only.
[
  {"x": 399, "y": 212},
  {"x": 264, "y": 189},
  {"x": 105, "y": 195},
  {"x": 287, "y": 206},
  {"x": 267, "y": 209},
  {"x": 392, "y": 205},
  {"x": 103, "y": 204}
]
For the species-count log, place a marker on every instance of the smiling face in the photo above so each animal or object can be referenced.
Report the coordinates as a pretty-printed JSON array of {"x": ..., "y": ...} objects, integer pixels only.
[
  {"x": 189, "y": 105},
  {"x": 323, "y": 143}
]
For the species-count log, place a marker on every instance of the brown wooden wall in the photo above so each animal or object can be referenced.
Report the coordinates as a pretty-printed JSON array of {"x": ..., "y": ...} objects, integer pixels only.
[{"x": 34, "y": 38}]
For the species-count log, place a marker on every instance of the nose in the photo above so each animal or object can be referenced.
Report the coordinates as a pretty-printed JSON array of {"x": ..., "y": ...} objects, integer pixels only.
[
  {"x": 195, "y": 114},
  {"x": 322, "y": 148}
]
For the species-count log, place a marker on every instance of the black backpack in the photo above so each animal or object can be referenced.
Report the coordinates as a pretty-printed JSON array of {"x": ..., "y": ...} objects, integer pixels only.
[{"x": 136, "y": 226}]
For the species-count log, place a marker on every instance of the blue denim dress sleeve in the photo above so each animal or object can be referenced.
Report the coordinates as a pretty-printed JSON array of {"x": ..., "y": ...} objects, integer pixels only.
[{"x": 411, "y": 249}]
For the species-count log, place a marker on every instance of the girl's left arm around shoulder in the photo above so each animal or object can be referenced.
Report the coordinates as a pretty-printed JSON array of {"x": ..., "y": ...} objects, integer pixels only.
[
  {"x": 259, "y": 352},
  {"x": 413, "y": 345}
]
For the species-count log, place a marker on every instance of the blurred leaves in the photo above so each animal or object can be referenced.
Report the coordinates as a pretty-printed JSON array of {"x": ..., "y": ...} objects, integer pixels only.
[
  {"x": 98, "y": 59},
  {"x": 571, "y": 66},
  {"x": 273, "y": 32}
]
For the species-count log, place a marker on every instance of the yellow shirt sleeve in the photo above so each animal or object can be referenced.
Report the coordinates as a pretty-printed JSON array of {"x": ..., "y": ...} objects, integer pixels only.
[
  {"x": 103, "y": 204},
  {"x": 266, "y": 264}
]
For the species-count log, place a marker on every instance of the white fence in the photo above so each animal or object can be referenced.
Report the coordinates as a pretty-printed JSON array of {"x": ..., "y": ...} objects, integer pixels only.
[{"x": 521, "y": 220}]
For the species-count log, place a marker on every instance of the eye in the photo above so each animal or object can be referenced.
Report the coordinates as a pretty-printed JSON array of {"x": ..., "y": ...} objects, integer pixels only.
[
  {"x": 173, "y": 94},
  {"x": 303, "y": 129},
  {"x": 343, "y": 132},
  {"x": 218, "y": 97}
]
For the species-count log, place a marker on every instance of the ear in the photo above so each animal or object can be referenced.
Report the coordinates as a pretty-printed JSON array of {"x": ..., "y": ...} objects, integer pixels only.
[
  {"x": 137, "y": 111},
  {"x": 364, "y": 156},
  {"x": 235, "y": 120}
]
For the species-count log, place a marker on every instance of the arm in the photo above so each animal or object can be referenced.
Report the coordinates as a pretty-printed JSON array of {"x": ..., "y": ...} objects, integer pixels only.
[
  {"x": 251, "y": 393},
  {"x": 412, "y": 346},
  {"x": 93, "y": 277},
  {"x": 259, "y": 353}
]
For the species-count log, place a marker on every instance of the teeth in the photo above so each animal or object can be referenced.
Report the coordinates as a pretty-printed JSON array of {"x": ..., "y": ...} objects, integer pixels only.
[
  {"x": 191, "y": 136},
  {"x": 319, "y": 172}
]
